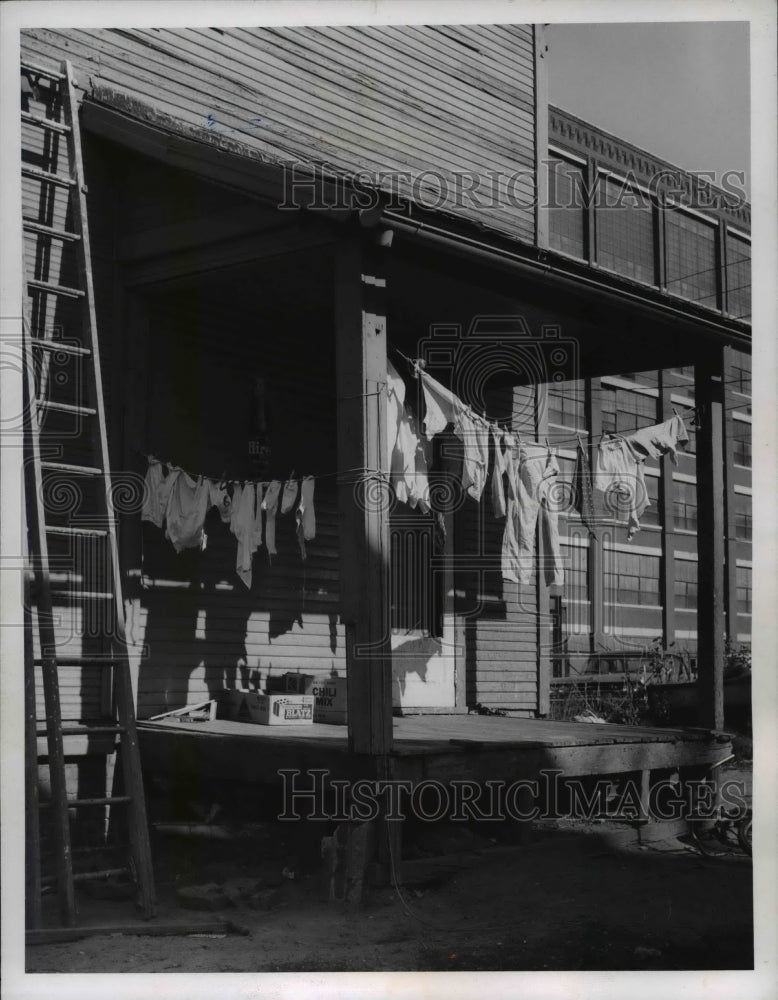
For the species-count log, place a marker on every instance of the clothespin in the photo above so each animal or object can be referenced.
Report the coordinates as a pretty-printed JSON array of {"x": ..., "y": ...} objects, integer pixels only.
[
  {"x": 547, "y": 444},
  {"x": 580, "y": 442},
  {"x": 675, "y": 411}
]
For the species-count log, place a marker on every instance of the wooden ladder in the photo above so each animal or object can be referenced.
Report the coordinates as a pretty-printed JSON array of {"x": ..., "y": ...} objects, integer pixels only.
[{"x": 73, "y": 576}]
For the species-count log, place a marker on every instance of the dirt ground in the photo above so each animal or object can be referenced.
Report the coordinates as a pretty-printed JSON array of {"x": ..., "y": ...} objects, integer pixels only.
[{"x": 571, "y": 899}]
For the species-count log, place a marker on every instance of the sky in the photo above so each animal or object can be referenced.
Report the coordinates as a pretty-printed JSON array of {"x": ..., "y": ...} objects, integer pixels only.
[{"x": 680, "y": 91}]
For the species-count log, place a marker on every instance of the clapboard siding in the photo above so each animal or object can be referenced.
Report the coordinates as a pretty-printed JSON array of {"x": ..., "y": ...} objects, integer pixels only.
[
  {"x": 442, "y": 99},
  {"x": 500, "y": 645}
]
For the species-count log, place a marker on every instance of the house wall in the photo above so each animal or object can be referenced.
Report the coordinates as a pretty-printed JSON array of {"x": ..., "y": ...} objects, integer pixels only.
[{"x": 428, "y": 103}]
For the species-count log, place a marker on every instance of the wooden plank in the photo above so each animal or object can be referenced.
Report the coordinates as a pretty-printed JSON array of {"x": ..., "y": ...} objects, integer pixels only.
[
  {"x": 540, "y": 49},
  {"x": 360, "y": 330},
  {"x": 711, "y": 629}
]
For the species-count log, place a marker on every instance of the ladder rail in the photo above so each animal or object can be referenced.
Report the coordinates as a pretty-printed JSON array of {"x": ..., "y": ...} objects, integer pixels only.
[
  {"x": 55, "y": 740},
  {"x": 123, "y": 694}
]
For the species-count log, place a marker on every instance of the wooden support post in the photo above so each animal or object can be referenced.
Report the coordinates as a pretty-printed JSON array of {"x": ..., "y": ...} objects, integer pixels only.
[
  {"x": 730, "y": 523},
  {"x": 544, "y": 631},
  {"x": 360, "y": 332},
  {"x": 667, "y": 582},
  {"x": 596, "y": 581},
  {"x": 708, "y": 394}
]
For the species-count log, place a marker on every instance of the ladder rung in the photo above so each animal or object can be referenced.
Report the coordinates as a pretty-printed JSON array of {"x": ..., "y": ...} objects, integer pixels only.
[
  {"x": 49, "y": 74},
  {"x": 52, "y": 289},
  {"x": 85, "y": 730},
  {"x": 41, "y": 122},
  {"x": 110, "y": 800},
  {"x": 58, "y": 234},
  {"x": 57, "y": 345},
  {"x": 92, "y": 595},
  {"x": 58, "y": 529},
  {"x": 86, "y": 876},
  {"x": 78, "y": 470},
  {"x": 83, "y": 411},
  {"x": 78, "y": 661},
  {"x": 47, "y": 176}
]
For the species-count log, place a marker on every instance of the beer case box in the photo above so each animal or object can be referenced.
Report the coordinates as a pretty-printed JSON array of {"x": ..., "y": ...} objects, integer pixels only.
[
  {"x": 278, "y": 709},
  {"x": 295, "y": 683},
  {"x": 266, "y": 709},
  {"x": 330, "y": 701}
]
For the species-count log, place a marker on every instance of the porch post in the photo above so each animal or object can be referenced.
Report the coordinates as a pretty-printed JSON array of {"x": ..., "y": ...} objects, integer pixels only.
[
  {"x": 360, "y": 334},
  {"x": 709, "y": 394}
]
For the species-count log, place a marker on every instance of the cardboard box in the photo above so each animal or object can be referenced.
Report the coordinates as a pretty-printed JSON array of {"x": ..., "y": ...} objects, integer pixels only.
[
  {"x": 298, "y": 683},
  {"x": 269, "y": 709},
  {"x": 330, "y": 701}
]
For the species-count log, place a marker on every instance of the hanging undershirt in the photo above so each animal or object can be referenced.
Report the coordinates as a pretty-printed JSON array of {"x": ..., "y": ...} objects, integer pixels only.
[
  {"x": 156, "y": 491},
  {"x": 185, "y": 512},
  {"x": 270, "y": 507}
]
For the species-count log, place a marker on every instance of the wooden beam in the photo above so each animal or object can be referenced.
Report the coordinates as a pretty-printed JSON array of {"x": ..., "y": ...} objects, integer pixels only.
[
  {"x": 541, "y": 135},
  {"x": 708, "y": 394},
  {"x": 360, "y": 332}
]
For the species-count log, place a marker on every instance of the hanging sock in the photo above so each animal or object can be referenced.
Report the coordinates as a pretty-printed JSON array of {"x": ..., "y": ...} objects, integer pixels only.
[
  {"x": 583, "y": 493},
  {"x": 270, "y": 507},
  {"x": 185, "y": 513},
  {"x": 156, "y": 493},
  {"x": 305, "y": 514},
  {"x": 288, "y": 496},
  {"x": 498, "y": 471}
]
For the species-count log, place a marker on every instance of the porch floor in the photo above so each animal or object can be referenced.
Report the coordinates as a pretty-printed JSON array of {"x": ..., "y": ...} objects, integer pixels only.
[{"x": 427, "y": 746}]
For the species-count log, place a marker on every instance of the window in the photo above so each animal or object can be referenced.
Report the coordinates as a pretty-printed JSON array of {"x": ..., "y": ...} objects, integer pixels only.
[
  {"x": 690, "y": 248},
  {"x": 624, "y": 412},
  {"x": 651, "y": 514},
  {"x": 567, "y": 212},
  {"x": 685, "y": 584},
  {"x": 576, "y": 570},
  {"x": 741, "y": 443},
  {"x": 740, "y": 380},
  {"x": 566, "y": 405},
  {"x": 684, "y": 506},
  {"x": 631, "y": 578},
  {"x": 625, "y": 231},
  {"x": 742, "y": 517},
  {"x": 738, "y": 277},
  {"x": 685, "y": 371},
  {"x": 743, "y": 583}
]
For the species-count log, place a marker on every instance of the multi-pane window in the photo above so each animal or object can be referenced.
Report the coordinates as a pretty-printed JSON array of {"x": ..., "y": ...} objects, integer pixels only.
[
  {"x": 741, "y": 443},
  {"x": 576, "y": 570},
  {"x": 743, "y": 583},
  {"x": 624, "y": 412},
  {"x": 738, "y": 277},
  {"x": 566, "y": 405},
  {"x": 631, "y": 578},
  {"x": 685, "y": 371},
  {"x": 684, "y": 506},
  {"x": 743, "y": 527},
  {"x": 690, "y": 249},
  {"x": 566, "y": 215},
  {"x": 651, "y": 514},
  {"x": 685, "y": 583},
  {"x": 740, "y": 380},
  {"x": 625, "y": 230}
]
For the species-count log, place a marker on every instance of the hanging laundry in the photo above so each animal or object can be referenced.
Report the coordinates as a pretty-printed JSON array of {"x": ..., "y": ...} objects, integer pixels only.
[
  {"x": 582, "y": 489},
  {"x": 288, "y": 496},
  {"x": 442, "y": 406},
  {"x": 619, "y": 483},
  {"x": 498, "y": 472},
  {"x": 651, "y": 442},
  {"x": 256, "y": 531},
  {"x": 395, "y": 401},
  {"x": 237, "y": 493},
  {"x": 270, "y": 507},
  {"x": 158, "y": 483},
  {"x": 222, "y": 501},
  {"x": 305, "y": 514},
  {"x": 185, "y": 512},
  {"x": 537, "y": 470},
  {"x": 409, "y": 454},
  {"x": 474, "y": 434},
  {"x": 242, "y": 526}
]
